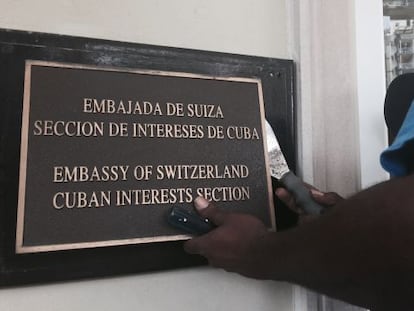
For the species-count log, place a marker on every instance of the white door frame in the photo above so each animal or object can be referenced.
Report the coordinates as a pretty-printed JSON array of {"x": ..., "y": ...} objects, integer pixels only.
[{"x": 338, "y": 50}]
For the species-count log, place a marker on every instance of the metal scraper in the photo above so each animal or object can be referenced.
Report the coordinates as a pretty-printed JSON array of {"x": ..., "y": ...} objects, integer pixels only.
[{"x": 279, "y": 169}]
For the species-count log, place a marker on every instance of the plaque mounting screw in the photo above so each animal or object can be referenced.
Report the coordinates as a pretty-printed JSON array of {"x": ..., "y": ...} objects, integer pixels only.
[{"x": 277, "y": 74}]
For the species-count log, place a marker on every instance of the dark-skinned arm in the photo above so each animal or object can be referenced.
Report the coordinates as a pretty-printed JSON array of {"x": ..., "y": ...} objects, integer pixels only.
[{"x": 361, "y": 252}]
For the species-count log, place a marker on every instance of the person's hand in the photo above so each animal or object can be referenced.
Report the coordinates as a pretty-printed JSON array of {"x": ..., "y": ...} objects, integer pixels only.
[
  {"x": 326, "y": 199},
  {"x": 235, "y": 245}
]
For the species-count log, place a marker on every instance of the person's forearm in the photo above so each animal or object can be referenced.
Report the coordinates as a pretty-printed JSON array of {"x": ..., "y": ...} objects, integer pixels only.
[
  {"x": 361, "y": 252},
  {"x": 302, "y": 258}
]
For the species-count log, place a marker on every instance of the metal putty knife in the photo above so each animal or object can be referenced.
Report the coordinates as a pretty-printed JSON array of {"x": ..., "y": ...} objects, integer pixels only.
[{"x": 280, "y": 170}]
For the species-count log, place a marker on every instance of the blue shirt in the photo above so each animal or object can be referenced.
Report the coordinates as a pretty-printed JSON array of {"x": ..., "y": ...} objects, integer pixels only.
[{"x": 398, "y": 158}]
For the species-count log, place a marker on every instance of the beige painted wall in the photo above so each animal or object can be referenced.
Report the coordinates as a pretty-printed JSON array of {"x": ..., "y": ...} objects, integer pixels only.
[{"x": 254, "y": 27}]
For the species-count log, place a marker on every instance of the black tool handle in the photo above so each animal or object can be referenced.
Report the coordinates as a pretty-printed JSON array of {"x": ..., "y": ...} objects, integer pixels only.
[
  {"x": 301, "y": 194},
  {"x": 188, "y": 221}
]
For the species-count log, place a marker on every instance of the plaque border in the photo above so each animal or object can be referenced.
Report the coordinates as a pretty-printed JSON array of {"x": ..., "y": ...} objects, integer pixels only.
[{"x": 21, "y": 249}]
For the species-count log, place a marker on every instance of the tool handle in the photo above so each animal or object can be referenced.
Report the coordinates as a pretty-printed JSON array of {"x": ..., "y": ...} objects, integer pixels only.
[
  {"x": 301, "y": 194},
  {"x": 189, "y": 222}
]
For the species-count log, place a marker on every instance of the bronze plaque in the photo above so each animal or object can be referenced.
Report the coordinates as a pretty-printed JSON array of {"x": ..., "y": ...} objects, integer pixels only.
[{"x": 107, "y": 151}]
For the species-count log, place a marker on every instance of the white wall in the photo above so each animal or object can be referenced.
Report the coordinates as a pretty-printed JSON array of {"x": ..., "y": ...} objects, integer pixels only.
[
  {"x": 323, "y": 46},
  {"x": 369, "y": 35},
  {"x": 338, "y": 49},
  {"x": 337, "y": 46},
  {"x": 191, "y": 289},
  {"x": 255, "y": 27}
]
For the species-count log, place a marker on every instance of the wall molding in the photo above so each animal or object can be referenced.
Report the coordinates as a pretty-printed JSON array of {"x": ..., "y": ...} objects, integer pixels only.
[{"x": 323, "y": 44}]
